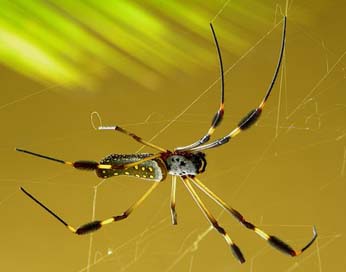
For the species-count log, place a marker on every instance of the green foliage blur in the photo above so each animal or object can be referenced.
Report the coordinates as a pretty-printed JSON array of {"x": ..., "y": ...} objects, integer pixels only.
[{"x": 77, "y": 43}]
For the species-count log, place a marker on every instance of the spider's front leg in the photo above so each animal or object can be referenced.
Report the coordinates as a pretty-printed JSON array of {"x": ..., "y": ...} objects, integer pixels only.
[
  {"x": 254, "y": 114},
  {"x": 217, "y": 119},
  {"x": 97, "y": 224}
]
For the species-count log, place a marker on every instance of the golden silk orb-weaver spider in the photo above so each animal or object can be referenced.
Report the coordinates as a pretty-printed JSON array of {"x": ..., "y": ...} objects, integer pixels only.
[{"x": 185, "y": 162}]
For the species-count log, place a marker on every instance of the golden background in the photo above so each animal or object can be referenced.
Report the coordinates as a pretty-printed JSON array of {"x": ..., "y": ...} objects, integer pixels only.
[{"x": 151, "y": 67}]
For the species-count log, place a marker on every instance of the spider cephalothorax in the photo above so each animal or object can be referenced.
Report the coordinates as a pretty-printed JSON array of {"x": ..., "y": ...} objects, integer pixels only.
[{"x": 181, "y": 163}]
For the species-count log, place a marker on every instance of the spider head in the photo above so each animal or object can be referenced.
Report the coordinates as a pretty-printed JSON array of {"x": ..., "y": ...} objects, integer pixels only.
[{"x": 199, "y": 159}]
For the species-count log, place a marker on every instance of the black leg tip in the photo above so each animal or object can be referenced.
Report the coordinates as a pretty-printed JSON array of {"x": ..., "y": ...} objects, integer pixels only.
[
  {"x": 23, "y": 190},
  {"x": 19, "y": 150},
  {"x": 314, "y": 237},
  {"x": 237, "y": 253},
  {"x": 314, "y": 231}
]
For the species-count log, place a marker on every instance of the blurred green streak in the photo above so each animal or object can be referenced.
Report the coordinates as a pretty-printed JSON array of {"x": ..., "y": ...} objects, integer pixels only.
[{"x": 76, "y": 42}]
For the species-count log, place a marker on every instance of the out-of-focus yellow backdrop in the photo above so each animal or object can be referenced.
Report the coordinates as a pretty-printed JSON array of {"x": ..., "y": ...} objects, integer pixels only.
[{"x": 151, "y": 67}]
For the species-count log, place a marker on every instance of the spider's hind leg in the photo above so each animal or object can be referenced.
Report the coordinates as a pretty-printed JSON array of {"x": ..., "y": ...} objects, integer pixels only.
[
  {"x": 91, "y": 165},
  {"x": 81, "y": 165}
]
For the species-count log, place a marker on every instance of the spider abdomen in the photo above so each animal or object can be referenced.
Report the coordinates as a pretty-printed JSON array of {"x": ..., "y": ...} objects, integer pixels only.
[{"x": 154, "y": 170}]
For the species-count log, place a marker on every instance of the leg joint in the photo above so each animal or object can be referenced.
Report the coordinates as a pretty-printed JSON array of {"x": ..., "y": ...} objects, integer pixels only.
[
  {"x": 219, "y": 228},
  {"x": 248, "y": 224}
]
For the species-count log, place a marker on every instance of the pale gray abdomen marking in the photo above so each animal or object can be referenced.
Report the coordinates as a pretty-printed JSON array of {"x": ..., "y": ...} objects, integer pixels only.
[{"x": 178, "y": 165}]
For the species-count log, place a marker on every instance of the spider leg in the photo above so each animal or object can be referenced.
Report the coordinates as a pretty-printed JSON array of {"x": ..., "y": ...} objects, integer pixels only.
[
  {"x": 254, "y": 114},
  {"x": 173, "y": 191},
  {"x": 272, "y": 240},
  {"x": 134, "y": 136},
  {"x": 91, "y": 165},
  {"x": 234, "y": 248},
  {"x": 97, "y": 224},
  {"x": 216, "y": 121}
]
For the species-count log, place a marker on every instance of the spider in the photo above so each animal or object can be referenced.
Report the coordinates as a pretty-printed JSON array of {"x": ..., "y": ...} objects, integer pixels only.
[{"x": 185, "y": 162}]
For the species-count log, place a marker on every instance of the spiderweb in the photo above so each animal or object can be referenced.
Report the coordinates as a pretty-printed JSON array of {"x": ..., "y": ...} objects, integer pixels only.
[{"x": 285, "y": 175}]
